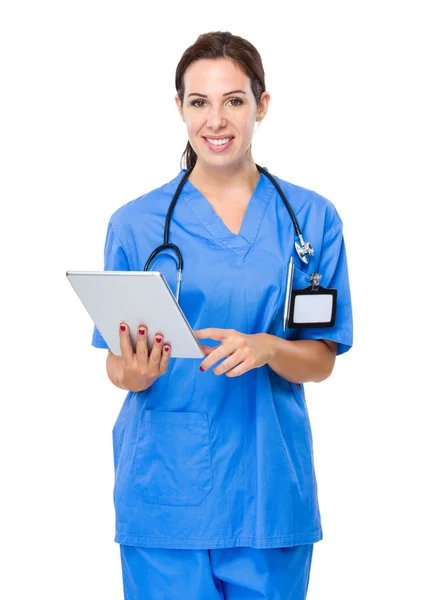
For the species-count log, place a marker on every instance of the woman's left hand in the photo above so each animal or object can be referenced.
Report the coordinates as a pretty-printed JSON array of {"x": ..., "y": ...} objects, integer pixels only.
[{"x": 243, "y": 351}]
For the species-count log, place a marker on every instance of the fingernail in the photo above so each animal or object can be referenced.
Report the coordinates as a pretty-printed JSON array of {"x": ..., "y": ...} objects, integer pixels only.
[
  {"x": 201, "y": 369},
  {"x": 123, "y": 327},
  {"x": 166, "y": 348},
  {"x": 141, "y": 331},
  {"x": 158, "y": 339}
]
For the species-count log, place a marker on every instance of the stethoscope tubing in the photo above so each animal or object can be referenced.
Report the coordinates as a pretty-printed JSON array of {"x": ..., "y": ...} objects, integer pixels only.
[{"x": 175, "y": 248}]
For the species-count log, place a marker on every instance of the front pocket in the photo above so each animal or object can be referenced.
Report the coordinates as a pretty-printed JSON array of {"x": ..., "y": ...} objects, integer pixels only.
[{"x": 174, "y": 463}]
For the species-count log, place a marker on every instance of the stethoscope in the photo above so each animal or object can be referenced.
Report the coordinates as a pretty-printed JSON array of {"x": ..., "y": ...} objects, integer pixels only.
[{"x": 303, "y": 249}]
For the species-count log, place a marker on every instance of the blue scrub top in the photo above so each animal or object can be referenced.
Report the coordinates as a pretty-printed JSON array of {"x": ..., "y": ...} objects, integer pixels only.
[{"x": 207, "y": 461}]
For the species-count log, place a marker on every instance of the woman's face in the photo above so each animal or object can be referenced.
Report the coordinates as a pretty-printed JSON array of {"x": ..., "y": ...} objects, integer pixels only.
[{"x": 218, "y": 103}]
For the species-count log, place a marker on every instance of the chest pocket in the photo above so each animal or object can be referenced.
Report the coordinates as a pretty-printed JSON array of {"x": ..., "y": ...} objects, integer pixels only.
[{"x": 174, "y": 463}]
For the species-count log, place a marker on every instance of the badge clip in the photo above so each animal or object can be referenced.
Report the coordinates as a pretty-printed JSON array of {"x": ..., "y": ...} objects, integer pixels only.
[{"x": 315, "y": 277}]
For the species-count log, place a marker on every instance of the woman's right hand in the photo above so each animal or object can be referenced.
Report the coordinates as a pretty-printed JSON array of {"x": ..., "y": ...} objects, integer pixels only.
[{"x": 136, "y": 371}]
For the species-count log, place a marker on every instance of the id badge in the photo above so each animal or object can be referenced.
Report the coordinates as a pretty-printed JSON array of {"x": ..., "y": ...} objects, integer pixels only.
[{"x": 313, "y": 306}]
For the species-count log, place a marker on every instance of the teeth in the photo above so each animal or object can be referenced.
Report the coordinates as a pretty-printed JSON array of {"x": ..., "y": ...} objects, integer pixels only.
[{"x": 219, "y": 142}]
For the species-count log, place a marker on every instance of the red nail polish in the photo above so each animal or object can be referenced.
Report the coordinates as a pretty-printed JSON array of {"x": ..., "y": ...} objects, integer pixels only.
[
  {"x": 123, "y": 327},
  {"x": 141, "y": 331},
  {"x": 158, "y": 340},
  {"x": 166, "y": 349},
  {"x": 201, "y": 369}
]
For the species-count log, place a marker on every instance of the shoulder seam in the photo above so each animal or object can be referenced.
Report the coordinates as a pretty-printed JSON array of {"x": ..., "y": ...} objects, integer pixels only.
[{"x": 338, "y": 224}]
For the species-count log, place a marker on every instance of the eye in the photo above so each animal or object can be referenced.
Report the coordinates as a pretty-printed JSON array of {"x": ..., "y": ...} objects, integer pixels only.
[{"x": 237, "y": 100}]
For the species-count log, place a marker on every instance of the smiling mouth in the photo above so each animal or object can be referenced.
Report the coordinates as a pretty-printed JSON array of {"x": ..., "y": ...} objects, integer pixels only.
[{"x": 219, "y": 141}]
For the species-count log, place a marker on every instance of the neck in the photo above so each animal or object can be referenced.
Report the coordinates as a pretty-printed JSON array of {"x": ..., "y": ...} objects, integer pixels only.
[{"x": 240, "y": 175}]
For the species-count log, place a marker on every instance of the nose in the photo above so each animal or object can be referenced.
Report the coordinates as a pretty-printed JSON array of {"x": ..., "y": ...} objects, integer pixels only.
[{"x": 216, "y": 119}]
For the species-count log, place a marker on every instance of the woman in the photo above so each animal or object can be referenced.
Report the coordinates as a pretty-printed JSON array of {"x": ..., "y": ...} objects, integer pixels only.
[{"x": 215, "y": 489}]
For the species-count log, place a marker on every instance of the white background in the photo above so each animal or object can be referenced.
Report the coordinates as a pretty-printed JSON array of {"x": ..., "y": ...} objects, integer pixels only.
[{"x": 88, "y": 122}]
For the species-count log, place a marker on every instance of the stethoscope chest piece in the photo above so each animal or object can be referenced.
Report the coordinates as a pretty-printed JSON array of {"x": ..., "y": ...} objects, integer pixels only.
[{"x": 305, "y": 250}]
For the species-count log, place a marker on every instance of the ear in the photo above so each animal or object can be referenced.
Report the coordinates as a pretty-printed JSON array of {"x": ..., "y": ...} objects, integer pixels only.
[
  {"x": 263, "y": 106},
  {"x": 180, "y": 110}
]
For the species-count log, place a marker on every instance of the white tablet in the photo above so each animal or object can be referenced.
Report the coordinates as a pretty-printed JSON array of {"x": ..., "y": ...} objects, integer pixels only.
[{"x": 135, "y": 297}]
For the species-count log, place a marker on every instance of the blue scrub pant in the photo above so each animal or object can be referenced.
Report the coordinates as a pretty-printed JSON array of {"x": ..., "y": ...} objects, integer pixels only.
[{"x": 228, "y": 573}]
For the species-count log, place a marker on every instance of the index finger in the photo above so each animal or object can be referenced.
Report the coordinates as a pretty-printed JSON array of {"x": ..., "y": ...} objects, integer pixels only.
[
  {"x": 213, "y": 333},
  {"x": 125, "y": 343}
]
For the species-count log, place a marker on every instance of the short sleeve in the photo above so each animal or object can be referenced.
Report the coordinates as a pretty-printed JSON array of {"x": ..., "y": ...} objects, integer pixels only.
[
  {"x": 115, "y": 259},
  {"x": 334, "y": 271}
]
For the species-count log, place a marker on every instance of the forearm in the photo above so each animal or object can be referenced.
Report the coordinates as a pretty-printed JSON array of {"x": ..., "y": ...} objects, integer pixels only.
[{"x": 300, "y": 361}]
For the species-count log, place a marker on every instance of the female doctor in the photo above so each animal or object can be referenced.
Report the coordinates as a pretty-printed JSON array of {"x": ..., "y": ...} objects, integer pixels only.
[{"x": 215, "y": 490}]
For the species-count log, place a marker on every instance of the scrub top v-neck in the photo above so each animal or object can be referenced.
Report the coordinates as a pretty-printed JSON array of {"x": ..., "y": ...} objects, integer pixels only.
[
  {"x": 207, "y": 461},
  {"x": 241, "y": 242}
]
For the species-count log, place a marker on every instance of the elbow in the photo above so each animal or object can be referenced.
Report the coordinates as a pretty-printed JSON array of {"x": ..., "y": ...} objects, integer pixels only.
[{"x": 323, "y": 376}]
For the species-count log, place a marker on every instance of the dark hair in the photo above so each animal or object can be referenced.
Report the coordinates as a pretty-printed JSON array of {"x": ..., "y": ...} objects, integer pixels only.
[{"x": 220, "y": 44}]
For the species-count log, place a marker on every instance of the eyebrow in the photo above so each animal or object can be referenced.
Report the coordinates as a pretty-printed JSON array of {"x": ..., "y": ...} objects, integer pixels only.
[{"x": 227, "y": 94}]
